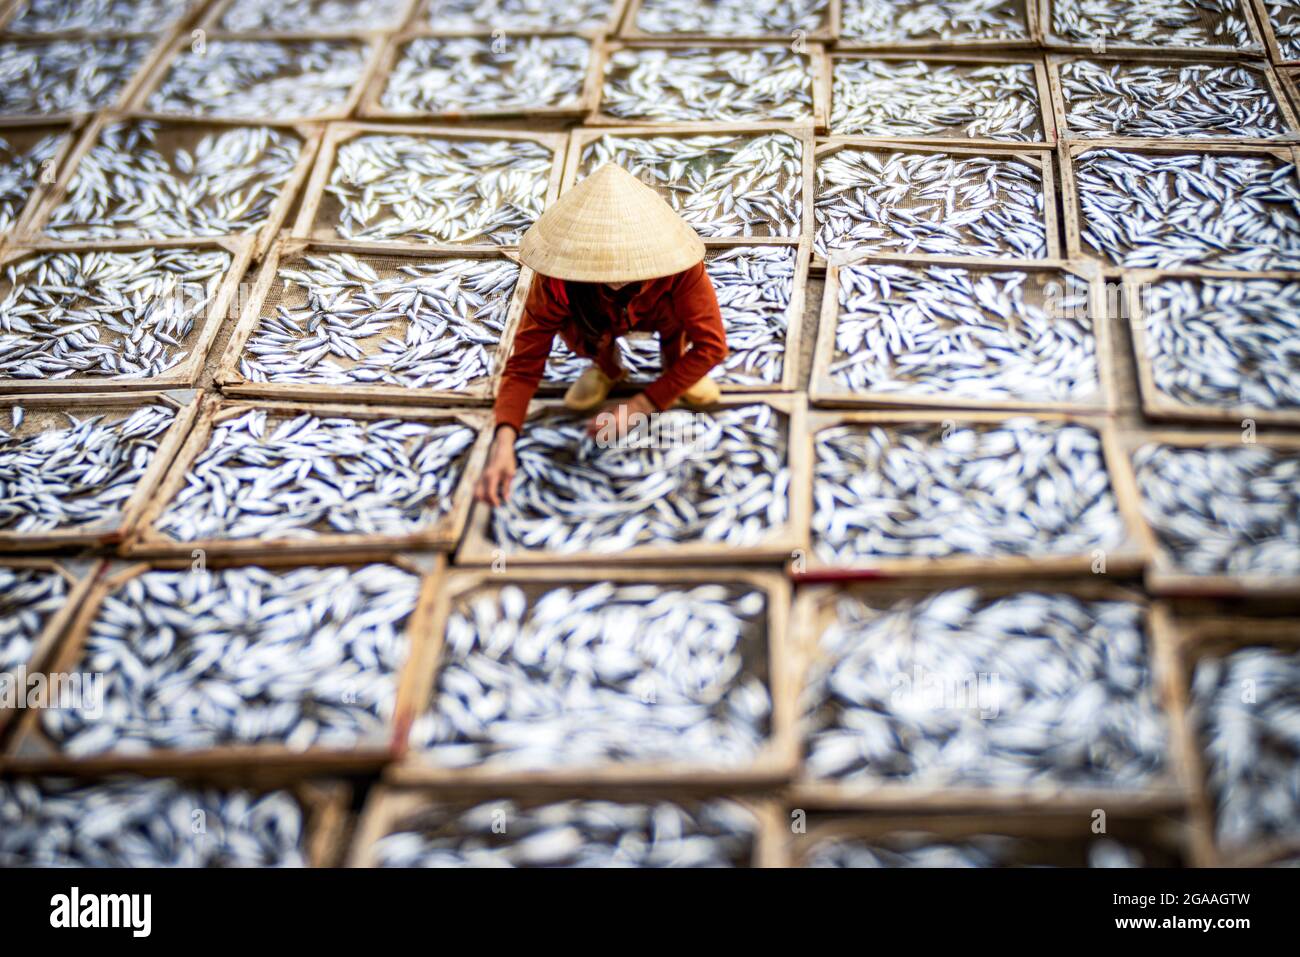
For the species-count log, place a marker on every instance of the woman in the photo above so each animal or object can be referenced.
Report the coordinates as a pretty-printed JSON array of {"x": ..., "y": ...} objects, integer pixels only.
[{"x": 611, "y": 257}]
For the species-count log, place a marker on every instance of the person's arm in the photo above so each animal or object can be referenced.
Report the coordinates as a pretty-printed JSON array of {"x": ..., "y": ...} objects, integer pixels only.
[{"x": 696, "y": 305}]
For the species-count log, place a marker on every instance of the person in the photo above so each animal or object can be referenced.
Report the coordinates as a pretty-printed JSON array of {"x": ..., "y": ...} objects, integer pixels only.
[{"x": 610, "y": 257}]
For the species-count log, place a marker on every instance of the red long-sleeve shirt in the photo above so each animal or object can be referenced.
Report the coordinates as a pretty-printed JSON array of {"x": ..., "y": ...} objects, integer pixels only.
[{"x": 680, "y": 307}]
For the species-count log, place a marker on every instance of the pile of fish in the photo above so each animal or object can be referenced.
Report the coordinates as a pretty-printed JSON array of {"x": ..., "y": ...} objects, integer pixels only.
[
  {"x": 573, "y": 834},
  {"x": 1174, "y": 210},
  {"x": 733, "y": 18},
  {"x": 423, "y": 188},
  {"x": 485, "y": 74},
  {"x": 29, "y": 598},
  {"x": 275, "y": 79},
  {"x": 97, "y": 16},
  {"x": 1223, "y": 509},
  {"x": 949, "y": 21},
  {"x": 922, "y": 849},
  {"x": 1220, "y": 24},
  {"x": 510, "y": 15},
  {"x": 1020, "y": 487},
  {"x": 21, "y": 168},
  {"x": 872, "y": 97},
  {"x": 900, "y": 201},
  {"x": 754, "y": 285},
  {"x": 79, "y": 476},
  {"x": 148, "y": 180},
  {"x": 685, "y": 477},
  {"x": 194, "y": 659},
  {"x": 974, "y": 335},
  {"x": 289, "y": 16},
  {"x": 1179, "y": 100},
  {"x": 708, "y": 84},
  {"x": 1245, "y": 707},
  {"x": 118, "y": 314},
  {"x": 587, "y": 675},
  {"x": 961, "y": 689},
  {"x": 723, "y": 184},
  {"x": 66, "y": 76},
  {"x": 1225, "y": 343},
  {"x": 427, "y": 324},
  {"x": 300, "y": 477},
  {"x": 146, "y": 822},
  {"x": 1284, "y": 17}
]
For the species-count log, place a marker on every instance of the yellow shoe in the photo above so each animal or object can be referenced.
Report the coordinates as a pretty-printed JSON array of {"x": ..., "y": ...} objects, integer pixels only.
[
  {"x": 705, "y": 392},
  {"x": 591, "y": 389}
]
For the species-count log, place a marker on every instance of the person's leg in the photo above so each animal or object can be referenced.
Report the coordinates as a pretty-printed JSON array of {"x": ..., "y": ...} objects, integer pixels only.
[
  {"x": 594, "y": 385},
  {"x": 672, "y": 344}
]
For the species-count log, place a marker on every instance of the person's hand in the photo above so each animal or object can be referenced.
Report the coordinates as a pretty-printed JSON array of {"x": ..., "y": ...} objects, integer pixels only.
[
  {"x": 493, "y": 485},
  {"x": 622, "y": 412}
]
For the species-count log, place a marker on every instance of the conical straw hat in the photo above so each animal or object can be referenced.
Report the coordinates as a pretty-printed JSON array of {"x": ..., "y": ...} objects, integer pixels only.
[{"x": 611, "y": 227}]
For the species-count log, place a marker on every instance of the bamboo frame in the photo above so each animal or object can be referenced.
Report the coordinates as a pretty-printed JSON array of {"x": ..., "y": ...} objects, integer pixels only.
[
  {"x": 234, "y": 383},
  {"x": 1125, "y": 560},
  {"x": 1159, "y": 405},
  {"x": 149, "y": 542},
  {"x": 1190, "y": 641},
  {"x": 823, "y": 390},
  {"x": 210, "y": 23},
  {"x": 387, "y": 806},
  {"x": 828, "y": 33},
  {"x": 1164, "y": 577},
  {"x": 310, "y": 225},
  {"x": 812, "y": 612},
  {"x": 1052, "y": 41},
  {"x": 419, "y": 20},
  {"x": 818, "y": 70},
  {"x": 1046, "y": 115},
  {"x": 1031, "y": 39},
  {"x": 371, "y": 107},
  {"x": 773, "y": 764},
  {"x": 1040, "y": 159},
  {"x": 185, "y": 375},
  {"x": 1286, "y": 115},
  {"x": 97, "y": 535},
  {"x": 794, "y": 328},
  {"x": 32, "y": 751},
  {"x": 780, "y": 542},
  {"x": 181, "y": 128},
  {"x": 161, "y": 67},
  {"x": 28, "y": 134}
]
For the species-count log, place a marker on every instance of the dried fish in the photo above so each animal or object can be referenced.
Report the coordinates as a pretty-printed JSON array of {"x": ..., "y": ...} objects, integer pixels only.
[
  {"x": 754, "y": 286},
  {"x": 29, "y": 598},
  {"x": 21, "y": 167},
  {"x": 1245, "y": 707},
  {"x": 247, "y": 79},
  {"x": 425, "y": 188},
  {"x": 150, "y": 180},
  {"x": 1284, "y": 18},
  {"x": 1172, "y": 210},
  {"x": 1224, "y": 343},
  {"x": 96, "y": 16},
  {"x": 1209, "y": 24},
  {"x": 146, "y": 822},
  {"x": 342, "y": 319},
  {"x": 959, "y": 688},
  {"x": 78, "y": 477},
  {"x": 1223, "y": 509},
  {"x": 303, "y": 657},
  {"x": 280, "y": 476},
  {"x": 717, "y": 477},
  {"x": 291, "y": 16},
  {"x": 708, "y": 84},
  {"x": 904, "y": 201},
  {"x": 586, "y": 675},
  {"x": 573, "y": 833},
  {"x": 725, "y": 184},
  {"x": 1179, "y": 100},
  {"x": 887, "y": 22},
  {"x": 51, "y": 77},
  {"x": 733, "y": 18},
  {"x": 116, "y": 314},
  {"x": 486, "y": 74},
  {"x": 979, "y": 335},
  {"x": 1020, "y": 487},
  {"x": 925, "y": 849},
  {"x": 510, "y": 15}
]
